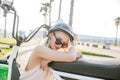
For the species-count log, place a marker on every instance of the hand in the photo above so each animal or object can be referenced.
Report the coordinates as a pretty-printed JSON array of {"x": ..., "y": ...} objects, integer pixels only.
[
  {"x": 44, "y": 64},
  {"x": 75, "y": 38}
]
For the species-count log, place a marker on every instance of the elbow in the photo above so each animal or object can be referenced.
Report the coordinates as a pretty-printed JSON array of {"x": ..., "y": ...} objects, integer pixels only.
[
  {"x": 72, "y": 58},
  {"x": 79, "y": 55}
]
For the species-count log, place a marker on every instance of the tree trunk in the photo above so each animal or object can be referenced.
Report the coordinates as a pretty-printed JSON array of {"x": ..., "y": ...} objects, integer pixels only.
[
  {"x": 5, "y": 29},
  {"x": 71, "y": 13},
  {"x": 50, "y": 15},
  {"x": 116, "y": 35},
  {"x": 59, "y": 15}
]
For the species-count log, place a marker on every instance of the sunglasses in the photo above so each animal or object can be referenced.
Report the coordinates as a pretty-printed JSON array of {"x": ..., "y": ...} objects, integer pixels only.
[{"x": 58, "y": 42}]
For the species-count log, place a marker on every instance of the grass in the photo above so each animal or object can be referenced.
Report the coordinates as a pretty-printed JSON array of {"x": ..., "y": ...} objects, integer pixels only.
[
  {"x": 4, "y": 50},
  {"x": 7, "y": 41},
  {"x": 86, "y": 52}
]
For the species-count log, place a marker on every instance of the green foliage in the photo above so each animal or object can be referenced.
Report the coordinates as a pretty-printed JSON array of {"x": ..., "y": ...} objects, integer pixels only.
[
  {"x": 94, "y": 54},
  {"x": 117, "y": 21}
]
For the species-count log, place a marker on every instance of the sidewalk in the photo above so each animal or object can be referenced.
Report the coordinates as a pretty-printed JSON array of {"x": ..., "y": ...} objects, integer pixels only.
[{"x": 113, "y": 52}]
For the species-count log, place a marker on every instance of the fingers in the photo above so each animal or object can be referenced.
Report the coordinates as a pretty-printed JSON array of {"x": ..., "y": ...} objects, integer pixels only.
[
  {"x": 75, "y": 39},
  {"x": 75, "y": 36},
  {"x": 44, "y": 65}
]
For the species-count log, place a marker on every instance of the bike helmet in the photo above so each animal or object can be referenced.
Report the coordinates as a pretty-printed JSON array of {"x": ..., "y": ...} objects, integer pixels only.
[{"x": 62, "y": 27}]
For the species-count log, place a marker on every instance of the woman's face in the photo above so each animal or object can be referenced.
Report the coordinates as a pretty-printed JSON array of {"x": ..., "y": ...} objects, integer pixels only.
[{"x": 58, "y": 40}]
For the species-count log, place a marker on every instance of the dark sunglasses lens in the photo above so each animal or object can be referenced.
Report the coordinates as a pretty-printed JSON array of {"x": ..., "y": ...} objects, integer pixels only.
[
  {"x": 58, "y": 42},
  {"x": 64, "y": 45}
]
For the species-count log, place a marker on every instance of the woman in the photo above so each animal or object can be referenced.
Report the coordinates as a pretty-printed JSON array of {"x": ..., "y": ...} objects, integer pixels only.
[{"x": 60, "y": 46}]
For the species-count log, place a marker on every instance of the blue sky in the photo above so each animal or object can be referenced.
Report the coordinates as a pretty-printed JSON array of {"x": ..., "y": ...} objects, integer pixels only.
[{"x": 91, "y": 17}]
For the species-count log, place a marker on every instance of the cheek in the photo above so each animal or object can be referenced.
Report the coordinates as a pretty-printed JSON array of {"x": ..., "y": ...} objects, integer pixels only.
[{"x": 52, "y": 45}]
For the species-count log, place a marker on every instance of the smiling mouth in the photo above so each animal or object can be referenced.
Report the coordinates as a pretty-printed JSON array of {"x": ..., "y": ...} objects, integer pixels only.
[{"x": 56, "y": 48}]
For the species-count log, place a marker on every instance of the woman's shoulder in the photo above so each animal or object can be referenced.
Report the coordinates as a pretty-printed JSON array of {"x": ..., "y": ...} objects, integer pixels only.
[
  {"x": 39, "y": 50},
  {"x": 40, "y": 46}
]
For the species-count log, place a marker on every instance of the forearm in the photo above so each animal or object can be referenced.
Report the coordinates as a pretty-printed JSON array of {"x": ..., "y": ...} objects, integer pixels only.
[
  {"x": 54, "y": 55},
  {"x": 46, "y": 61}
]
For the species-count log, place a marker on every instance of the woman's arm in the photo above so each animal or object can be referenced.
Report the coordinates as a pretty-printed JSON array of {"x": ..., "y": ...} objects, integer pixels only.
[{"x": 53, "y": 55}]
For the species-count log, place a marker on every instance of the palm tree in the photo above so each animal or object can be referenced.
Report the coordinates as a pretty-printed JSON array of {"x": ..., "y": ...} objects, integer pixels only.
[
  {"x": 45, "y": 9},
  {"x": 59, "y": 9},
  {"x": 117, "y": 23},
  {"x": 50, "y": 7},
  {"x": 71, "y": 13}
]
